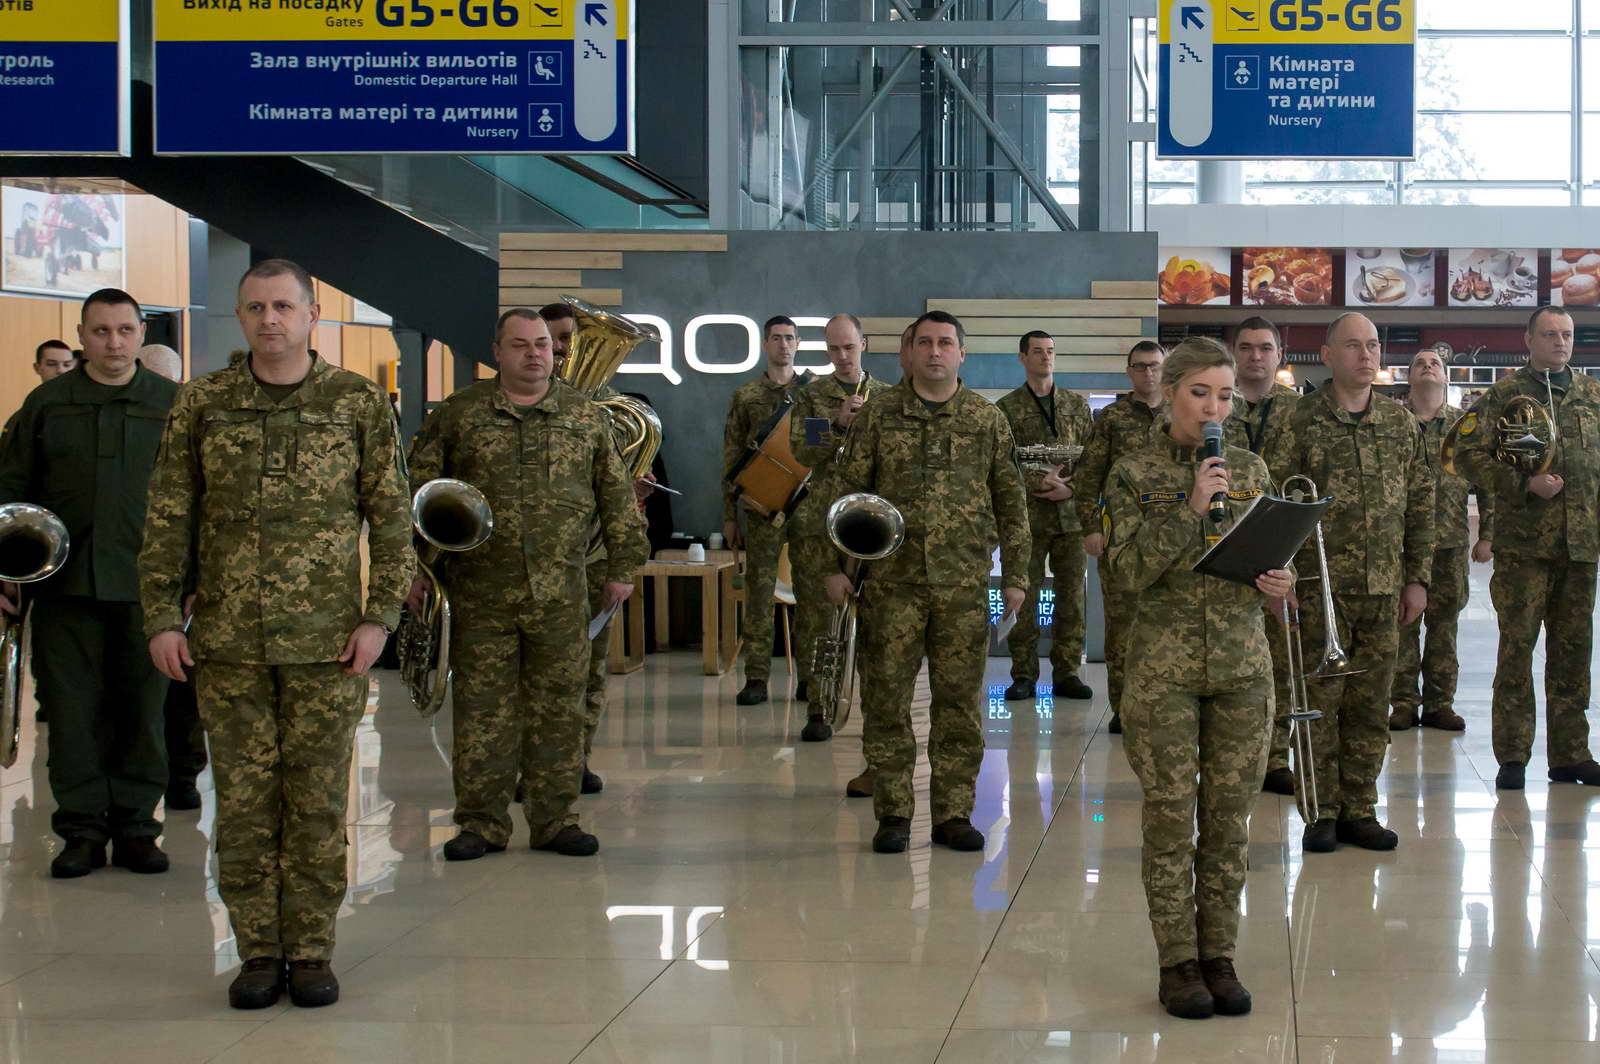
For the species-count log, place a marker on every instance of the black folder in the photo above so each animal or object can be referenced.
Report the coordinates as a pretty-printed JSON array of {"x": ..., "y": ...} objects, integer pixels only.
[{"x": 1268, "y": 536}]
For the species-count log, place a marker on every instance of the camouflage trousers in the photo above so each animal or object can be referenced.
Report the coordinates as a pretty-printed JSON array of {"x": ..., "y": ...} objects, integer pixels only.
[
  {"x": 518, "y": 693},
  {"x": 281, "y": 741},
  {"x": 900, "y": 625},
  {"x": 813, "y": 559},
  {"x": 1278, "y": 748},
  {"x": 1352, "y": 737},
  {"x": 1197, "y": 754},
  {"x": 1528, "y": 593},
  {"x": 761, "y": 548},
  {"x": 594, "y": 690},
  {"x": 1065, "y": 550},
  {"x": 1120, "y": 610},
  {"x": 1433, "y": 657}
]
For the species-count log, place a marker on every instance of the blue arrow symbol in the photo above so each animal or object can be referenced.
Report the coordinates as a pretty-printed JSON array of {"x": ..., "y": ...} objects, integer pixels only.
[
  {"x": 1191, "y": 17},
  {"x": 593, "y": 13}
]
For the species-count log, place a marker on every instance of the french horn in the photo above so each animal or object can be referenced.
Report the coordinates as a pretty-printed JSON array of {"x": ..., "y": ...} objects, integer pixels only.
[
  {"x": 33, "y": 545},
  {"x": 451, "y": 516},
  {"x": 1525, "y": 435}
]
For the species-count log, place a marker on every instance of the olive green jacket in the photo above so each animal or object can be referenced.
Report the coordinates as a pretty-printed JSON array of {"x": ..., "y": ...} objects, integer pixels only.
[
  {"x": 258, "y": 506},
  {"x": 1074, "y": 423},
  {"x": 88, "y": 460},
  {"x": 821, "y": 400},
  {"x": 548, "y": 475},
  {"x": 1121, "y": 428},
  {"x": 1379, "y": 527},
  {"x": 1524, "y": 525},
  {"x": 1192, "y": 631},
  {"x": 952, "y": 473}
]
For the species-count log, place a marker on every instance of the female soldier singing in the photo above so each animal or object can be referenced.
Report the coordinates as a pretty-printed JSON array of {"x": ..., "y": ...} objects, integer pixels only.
[{"x": 1196, "y": 709}]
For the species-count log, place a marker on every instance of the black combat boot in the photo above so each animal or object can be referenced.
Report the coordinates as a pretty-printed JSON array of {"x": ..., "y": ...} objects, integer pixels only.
[
  {"x": 81, "y": 857},
  {"x": 1227, "y": 993},
  {"x": 469, "y": 846},
  {"x": 1367, "y": 833},
  {"x": 958, "y": 834},
  {"x": 258, "y": 984},
  {"x": 591, "y": 784},
  {"x": 312, "y": 984},
  {"x": 1184, "y": 992},
  {"x": 1072, "y": 687},
  {"x": 1321, "y": 837},
  {"x": 817, "y": 729},
  {"x": 754, "y": 693},
  {"x": 1583, "y": 772},
  {"x": 1511, "y": 777},
  {"x": 140, "y": 854},
  {"x": 571, "y": 841},
  {"x": 893, "y": 835},
  {"x": 1279, "y": 781}
]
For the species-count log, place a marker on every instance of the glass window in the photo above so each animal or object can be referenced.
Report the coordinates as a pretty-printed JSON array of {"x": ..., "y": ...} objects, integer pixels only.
[
  {"x": 1490, "y": 147},
  {"x": 1495, "y": 14},
  {"x": 1494, "y": 73}
]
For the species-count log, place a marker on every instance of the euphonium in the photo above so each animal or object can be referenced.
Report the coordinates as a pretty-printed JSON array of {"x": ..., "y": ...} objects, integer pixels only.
[
  {"x": 601, "y": 342},
  {"x": 866, "y": 528},
  {"x": 451, "y": 515},
  {"x": 33, "y": 544}
]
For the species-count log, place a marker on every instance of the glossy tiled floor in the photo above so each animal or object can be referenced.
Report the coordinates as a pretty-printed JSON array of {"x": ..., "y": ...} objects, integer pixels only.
[{"x": 736, "y": 914}]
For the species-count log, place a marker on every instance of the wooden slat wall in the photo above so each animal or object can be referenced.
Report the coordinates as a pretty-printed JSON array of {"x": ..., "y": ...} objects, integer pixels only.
[
  {"x": 1124, "y": 289},
  {"x": 157, "y": 268},
  {"x": 561, "y": 260},
  {"x": 630, "y": 241},
  {"x": 24, "y": 325},
  {"x": 1099, "y": 328},
  {"x": 538, "y": 297}
]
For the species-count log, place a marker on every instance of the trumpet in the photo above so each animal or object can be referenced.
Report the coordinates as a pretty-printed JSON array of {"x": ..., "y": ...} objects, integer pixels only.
[
  {"x": 866, "y": 528},
  {"x": 451, "y": 515},
  {"x": 33, "y": 544}
]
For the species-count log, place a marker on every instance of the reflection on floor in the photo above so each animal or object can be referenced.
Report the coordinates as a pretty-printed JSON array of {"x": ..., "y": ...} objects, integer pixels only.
[{"x": 735, "y": 912}]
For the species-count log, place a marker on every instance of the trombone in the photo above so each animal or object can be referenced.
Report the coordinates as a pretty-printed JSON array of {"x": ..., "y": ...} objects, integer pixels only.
[{"x": 1335, "y": 662}]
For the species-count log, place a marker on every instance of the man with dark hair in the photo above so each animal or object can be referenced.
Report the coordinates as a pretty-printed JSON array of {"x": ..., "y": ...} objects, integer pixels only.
[
  {"x": 943, "y": 455},
  {"x": 1122, "y": 428},
  {"x": 268, "y": 471},
  {"x": 267, "y": 269},
  {"x": 1040, "y": 413},
  {"x": 754, "y": 408},
  {"x": 563, "y": 322},
  {"x": 1265, "y": 407},
  {"x": 83, "y": 446},
  {"x": 1546, "y": 543},
  {"x": 51, "y": 359}
]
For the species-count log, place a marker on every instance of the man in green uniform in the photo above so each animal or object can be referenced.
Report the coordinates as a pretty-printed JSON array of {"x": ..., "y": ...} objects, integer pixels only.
[
  {"x": 542, "y": 455},
  {"x": 1364, "y": 451},
  {"x": 83, "y": 446},
  {"x": 944, "y": 457},
  {"x": 1264, "y": 407},
  {"x": 1122, "y": 428},
  {"x": 268, "y": 470},
  {"x": 1447, "y": 587},
  {"x": 1040, "y": 413},
  {"x": 563, "y": 322},
  {"x": 824, "y": 410},
  {"x": 753, "y": 407},
  {"x": 1545, "y": 547}
]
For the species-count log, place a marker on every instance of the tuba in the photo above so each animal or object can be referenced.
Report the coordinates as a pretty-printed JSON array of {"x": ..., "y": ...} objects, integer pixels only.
[
  {"x": 601, "y": 342},
  {"x": 866, "y": 528},
  {"x": 453, "y": 516},
  {"x": 1525, "y": 435},
  {"x": 33, "y": 544}
]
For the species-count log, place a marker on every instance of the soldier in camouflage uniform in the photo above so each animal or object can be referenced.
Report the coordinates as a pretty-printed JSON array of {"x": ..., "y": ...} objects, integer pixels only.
[
  {"x": 1267, "y": 407},
  {"x": 543, "y": 457},
  {"x": 1197, "y": 707},
  {"x": 266, "y": 474},
  {"x": 824, "y": 410},
  {"x": 1447, "y": 589},
  {"x": 753, "y": 407},
  {"x": 1545, "y": 547},
  {"x": 563, "y": 322},
  {"x": 944, "y": 457},
  {"x": 83, "y": 446},
  {"x": 1039, "y": 412},
  {"x": 1364, "y": 451},
  {"x": 1121, "y": 428}
]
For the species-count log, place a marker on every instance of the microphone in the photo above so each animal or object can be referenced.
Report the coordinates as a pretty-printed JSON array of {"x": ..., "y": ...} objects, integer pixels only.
[{"x": 1211, "y": 433}]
